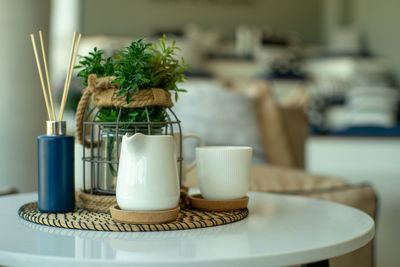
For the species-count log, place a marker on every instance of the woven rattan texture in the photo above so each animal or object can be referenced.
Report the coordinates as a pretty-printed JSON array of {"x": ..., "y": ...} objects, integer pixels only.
[
  {"x": 101, "y": 221},
  {"x": 103, "y": 203}
]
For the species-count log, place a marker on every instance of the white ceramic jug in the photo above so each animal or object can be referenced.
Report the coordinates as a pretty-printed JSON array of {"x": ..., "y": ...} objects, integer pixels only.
[{"x": 147, "y": 173}]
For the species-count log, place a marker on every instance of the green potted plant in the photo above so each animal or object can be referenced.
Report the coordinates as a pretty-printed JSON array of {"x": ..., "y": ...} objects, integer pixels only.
[
  {"x": 139, "y": 66},
  {"x": 131, "y": 72}
]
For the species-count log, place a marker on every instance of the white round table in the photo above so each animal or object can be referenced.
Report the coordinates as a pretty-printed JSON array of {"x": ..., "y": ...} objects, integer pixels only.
[{"x": 280, "y": 230}]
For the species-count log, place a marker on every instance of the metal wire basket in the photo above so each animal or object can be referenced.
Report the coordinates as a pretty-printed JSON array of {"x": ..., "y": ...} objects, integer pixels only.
[{"x": 100, "y": 163}]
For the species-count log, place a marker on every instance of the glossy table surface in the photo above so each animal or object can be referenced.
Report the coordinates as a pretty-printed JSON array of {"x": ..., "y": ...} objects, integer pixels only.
[{"x": 280, "y": 230}]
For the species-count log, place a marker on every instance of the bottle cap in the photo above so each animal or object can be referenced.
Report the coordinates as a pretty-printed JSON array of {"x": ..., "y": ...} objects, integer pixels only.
[{"x": 56, "y": 127}]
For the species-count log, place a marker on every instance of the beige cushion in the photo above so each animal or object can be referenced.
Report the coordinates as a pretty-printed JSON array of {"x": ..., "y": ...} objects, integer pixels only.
[
  {"x": 297, "y": 182},
  {"x": 283, "y": 126},
  {"x": 269, "y": 178},
  {"x": 276, "y": 144}
]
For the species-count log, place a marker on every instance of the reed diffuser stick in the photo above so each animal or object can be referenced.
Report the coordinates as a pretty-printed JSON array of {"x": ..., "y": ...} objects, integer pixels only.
[
  {"x": 66, "y": 78},
  {"x": 40, "y": 76},
  {"x": 73, "y": 62},
  {"x": 69, "y": 76},
  {"x": 47, "y": 76}
]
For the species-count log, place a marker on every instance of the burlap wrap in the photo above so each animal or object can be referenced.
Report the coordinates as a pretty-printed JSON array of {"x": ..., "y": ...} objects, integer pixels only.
[{"x": 103, "y": 93}]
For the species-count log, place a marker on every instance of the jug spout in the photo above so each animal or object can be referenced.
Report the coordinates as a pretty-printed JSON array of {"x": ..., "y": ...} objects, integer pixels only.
[{"x": 135, "y": 141}]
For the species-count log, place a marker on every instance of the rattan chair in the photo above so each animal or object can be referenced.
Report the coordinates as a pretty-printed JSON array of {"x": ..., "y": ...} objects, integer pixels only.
[{"x": 284, "y": 129}]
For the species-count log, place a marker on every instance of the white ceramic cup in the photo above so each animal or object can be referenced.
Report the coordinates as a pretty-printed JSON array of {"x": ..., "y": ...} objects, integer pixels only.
[{"x": 223, "y": 172}]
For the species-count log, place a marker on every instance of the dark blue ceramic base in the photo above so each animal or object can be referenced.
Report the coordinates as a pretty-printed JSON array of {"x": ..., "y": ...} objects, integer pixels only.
[{"x": 56, "y": 191}]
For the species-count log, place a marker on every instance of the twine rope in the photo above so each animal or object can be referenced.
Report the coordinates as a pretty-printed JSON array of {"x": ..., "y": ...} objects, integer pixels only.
[{"x": 101, "y": 92}]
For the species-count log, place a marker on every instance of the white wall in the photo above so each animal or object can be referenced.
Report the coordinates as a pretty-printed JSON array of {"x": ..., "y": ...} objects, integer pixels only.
[
  {"x": 22, "y": 108},
  {"x": 372, "y": 160},
  {"x": 64, "y": 20},
  {"x": 380, "y": 22},
  {"x": 141, "y": 17}
]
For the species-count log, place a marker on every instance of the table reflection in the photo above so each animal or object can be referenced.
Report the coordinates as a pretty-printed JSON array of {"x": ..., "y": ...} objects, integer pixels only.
[{"x": 195, "y": 243}]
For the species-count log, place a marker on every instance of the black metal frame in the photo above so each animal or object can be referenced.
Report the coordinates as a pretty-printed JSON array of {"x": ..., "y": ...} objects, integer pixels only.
[{"x": 132, "y": 127}]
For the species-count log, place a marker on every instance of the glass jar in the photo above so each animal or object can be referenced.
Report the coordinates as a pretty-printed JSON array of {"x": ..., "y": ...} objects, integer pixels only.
[
  {"x": 108, "y": 158},
  {"x": 109, "y": 153}
]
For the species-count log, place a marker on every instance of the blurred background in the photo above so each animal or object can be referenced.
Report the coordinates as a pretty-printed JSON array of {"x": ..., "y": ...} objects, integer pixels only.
[{"x": 325, "y": 73}]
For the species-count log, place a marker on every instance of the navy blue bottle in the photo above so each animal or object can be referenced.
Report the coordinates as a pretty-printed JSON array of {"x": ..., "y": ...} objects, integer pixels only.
[{"x": 56, "y": 190}]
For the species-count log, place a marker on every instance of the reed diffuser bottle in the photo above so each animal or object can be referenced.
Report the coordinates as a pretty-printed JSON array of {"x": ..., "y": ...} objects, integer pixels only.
[{"x": 56, "y": 191}]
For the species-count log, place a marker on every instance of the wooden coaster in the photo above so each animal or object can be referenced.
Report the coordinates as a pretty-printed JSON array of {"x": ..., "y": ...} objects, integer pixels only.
[
  {"x": 98, "y": 202},
  {"x": 198, "y": 202},
  {"x": 144, "y": 217}
]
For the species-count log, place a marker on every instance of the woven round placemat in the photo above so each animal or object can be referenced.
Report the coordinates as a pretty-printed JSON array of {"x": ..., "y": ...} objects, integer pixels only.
[{"x": 84, "y": 219}]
